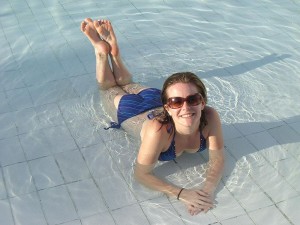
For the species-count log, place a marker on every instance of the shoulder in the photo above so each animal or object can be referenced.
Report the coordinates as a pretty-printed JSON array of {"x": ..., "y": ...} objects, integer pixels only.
[
  {"x": 154, "y": 129},
  {"x": 154, "y": 139},
  {"x": 211, "y": 114}
]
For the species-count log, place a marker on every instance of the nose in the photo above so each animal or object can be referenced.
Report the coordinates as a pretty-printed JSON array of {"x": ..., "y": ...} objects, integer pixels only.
[{"x": 185, "y": 105}]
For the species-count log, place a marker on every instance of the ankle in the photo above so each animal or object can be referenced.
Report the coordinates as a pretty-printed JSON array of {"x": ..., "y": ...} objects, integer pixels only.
[{"x": 100, "y": 55}]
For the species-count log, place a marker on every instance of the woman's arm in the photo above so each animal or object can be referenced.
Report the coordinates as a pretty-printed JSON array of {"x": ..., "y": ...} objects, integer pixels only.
[
  {"x": 216, "y": 152},
  {"x": 154, "y": 140}
]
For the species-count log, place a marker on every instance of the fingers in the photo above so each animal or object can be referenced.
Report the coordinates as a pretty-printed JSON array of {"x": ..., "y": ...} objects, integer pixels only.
[{"x": 202, "y": 193}]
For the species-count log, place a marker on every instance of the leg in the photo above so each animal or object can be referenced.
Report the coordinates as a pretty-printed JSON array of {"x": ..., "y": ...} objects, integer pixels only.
[
  {"x": 104, "y": 73},
  {"x": 106, "y": 32}
]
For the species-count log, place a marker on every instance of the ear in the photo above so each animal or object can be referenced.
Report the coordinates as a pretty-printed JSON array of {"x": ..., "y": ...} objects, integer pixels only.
[
  {"x": 203, "y": 104},
  {"x": 167, "y": 109}
]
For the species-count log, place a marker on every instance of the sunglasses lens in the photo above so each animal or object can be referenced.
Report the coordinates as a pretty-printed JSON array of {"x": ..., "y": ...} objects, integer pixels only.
[
  {"x": 194, "y": 100},
  {"x": 176, "y": 102}
]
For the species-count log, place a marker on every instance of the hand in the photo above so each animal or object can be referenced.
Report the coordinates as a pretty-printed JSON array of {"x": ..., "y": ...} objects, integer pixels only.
[{"x": 196, "y": 201}]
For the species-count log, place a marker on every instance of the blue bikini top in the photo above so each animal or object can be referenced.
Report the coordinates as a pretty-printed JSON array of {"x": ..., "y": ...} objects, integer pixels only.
[{"x": 170, "y": 154}]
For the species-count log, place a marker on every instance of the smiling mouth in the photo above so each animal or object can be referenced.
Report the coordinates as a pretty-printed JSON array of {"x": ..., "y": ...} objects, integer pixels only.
[{"x": 187, "y": 115}]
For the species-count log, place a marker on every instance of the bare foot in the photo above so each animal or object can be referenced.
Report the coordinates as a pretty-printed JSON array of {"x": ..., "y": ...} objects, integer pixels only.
[
  {"x": 87, "y": 27},
  {"x": 106, "y": 32}
]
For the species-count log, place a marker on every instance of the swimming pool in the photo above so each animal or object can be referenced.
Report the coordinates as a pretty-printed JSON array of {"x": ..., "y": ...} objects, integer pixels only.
[{"x": 59, "y": 166}]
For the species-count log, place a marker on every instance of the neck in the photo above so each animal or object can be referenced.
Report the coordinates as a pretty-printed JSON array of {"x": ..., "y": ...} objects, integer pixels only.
[{"x": 186, "y": 131}]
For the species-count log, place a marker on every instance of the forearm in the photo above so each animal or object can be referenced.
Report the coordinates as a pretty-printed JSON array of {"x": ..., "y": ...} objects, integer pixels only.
[
  {"x": 146, "y": 178},
  {"x": 214, "y": 171}
]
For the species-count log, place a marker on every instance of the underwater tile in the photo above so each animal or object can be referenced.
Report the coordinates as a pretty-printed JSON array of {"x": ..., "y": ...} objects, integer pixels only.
[
  {"x": 57, "y": 205},
  {"x": 260, "y": 218},
  {"x": 27, "y": 210},
  {"x": 45, "y": 173},
  {"x": 18, "y": 179}
]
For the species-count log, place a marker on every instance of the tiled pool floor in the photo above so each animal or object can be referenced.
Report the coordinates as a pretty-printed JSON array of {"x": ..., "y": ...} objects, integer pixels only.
[{"x": 58, "y": 165}]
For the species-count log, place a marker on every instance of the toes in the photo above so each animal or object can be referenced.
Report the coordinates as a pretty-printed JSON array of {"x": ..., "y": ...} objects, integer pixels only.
[
  {"x": 96, "y": 23},
  {"x": 88, "y": 20},
  {"x": 82, "y": 26}
]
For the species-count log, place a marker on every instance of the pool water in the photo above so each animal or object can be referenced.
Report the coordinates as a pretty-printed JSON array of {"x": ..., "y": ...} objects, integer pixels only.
[{"x": 59, "y": 166}]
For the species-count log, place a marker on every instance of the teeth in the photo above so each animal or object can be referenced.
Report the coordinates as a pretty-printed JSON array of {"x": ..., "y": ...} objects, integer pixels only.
[{"x": 187, "y": 115}]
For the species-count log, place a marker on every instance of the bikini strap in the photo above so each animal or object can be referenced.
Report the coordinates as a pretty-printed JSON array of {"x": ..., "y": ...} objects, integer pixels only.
[{"x": 113, "y": 125}]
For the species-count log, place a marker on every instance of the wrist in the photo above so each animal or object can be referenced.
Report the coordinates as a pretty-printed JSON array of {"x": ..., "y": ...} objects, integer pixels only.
[{"x": 179, "y": 193}]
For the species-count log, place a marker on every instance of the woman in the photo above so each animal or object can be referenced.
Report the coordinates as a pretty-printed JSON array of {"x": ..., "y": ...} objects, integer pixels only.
[{"x": 177, "y": 114}]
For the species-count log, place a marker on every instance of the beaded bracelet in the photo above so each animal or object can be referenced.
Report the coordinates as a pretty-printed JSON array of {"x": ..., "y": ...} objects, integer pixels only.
[{"x": 179, "y": 193}]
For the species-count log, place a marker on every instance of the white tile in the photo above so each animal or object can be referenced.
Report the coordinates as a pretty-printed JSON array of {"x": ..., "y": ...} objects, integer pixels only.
[
  {"x": 19, "y": 99},
  {"x": 52, "y": 92},
  {"x": 6, "y": 216},
  {"x": 26, "y": 120},
  {"x": 74, "y": 222},
  {"x": 242, "y": 150},
  {"x": 35, "y": 145},
  {"x": 268, "y": 146},
  {"x": 140, "y": 191},
  {"x": 274, "y": 185},
  {"x": 57, "y": 205},
  {"x": 138, "y": 218},
  {"x": 262, "y": 140},
  {"x": 18, "y": 179},
  {"x": 58, "y": 139},
  {"x": 27, "y": 210},
  {"x": 289, "y": 169},
  {"x": 99, "y": 219},
  {"x": 160, "y": 210},
  {"x": 3, "y": 194},
  {"x": 124, "y": 150},
  {"x": 72, "y": 166},
  {"x": 247, "y": 193},
  {"x": 4, "y": 106},
  {"x": 7, "y": 126},
  {"x": 115, "y": 191},
  {"x": 84, "y": 134},
  {"x": 49, "y": 115},
  {"x": 11, "y": 151},
  {"x": 285, "y": 135},
  {"x": 70, "y": 62},
  {"x": 295, "y": 126},
  {"x": 291, "y": 209},
  {"x": 249, "y": 128},
  {"x": 11, "y": 79},
  {"x": 87, "y": 198},
  {"x": 45, "y": 173},
  {"x": 75, "y": 110},
  {"x": 85, "y": 85},
  {"x": 97, "y": 155},
  {"x": 260, "y": 218},
  {"x": 245, "y": 220},
  {"x": 226, "y": 207}
]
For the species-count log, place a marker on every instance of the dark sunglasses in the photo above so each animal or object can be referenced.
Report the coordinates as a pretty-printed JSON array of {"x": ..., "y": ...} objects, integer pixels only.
[{"x": 191, "y": 100}]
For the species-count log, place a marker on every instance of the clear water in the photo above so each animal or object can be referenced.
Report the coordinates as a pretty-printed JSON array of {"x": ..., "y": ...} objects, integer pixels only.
[{"x": 58, "y": 165}]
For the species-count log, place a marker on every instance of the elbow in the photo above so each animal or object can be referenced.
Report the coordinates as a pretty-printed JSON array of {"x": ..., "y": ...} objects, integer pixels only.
[{"x": 138, "y": 175}]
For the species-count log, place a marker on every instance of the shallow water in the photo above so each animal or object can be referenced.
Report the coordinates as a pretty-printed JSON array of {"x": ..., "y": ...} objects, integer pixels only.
[{"x": 58, "y": 163}]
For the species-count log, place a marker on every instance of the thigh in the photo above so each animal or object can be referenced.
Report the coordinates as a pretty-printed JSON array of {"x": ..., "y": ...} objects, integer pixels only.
[
  {"x": 109, "y": 99},
  {"x": 134, "y": 88},
  {"x": 133, "y": 125}
]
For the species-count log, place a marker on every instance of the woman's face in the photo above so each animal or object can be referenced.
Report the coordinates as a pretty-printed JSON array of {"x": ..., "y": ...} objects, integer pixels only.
[{"x": 187, "y": 115}]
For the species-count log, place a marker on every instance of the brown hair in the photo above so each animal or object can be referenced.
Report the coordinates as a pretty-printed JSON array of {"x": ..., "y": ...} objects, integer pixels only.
[{"x": 182, "y": 77}]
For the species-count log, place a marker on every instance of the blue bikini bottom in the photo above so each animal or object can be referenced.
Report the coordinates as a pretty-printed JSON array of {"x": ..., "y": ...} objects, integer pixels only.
[{"x": 134, "y": 104}]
